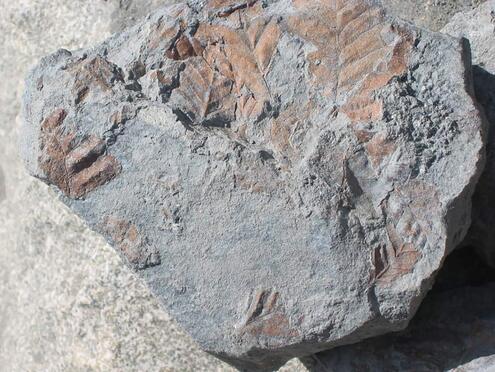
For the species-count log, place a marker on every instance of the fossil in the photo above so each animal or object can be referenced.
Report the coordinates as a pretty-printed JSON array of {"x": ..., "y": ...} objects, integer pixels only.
[{"x": 287, "y": 176}]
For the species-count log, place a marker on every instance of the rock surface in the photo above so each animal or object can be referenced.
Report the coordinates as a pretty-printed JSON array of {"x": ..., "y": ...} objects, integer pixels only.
[
  {"x": 430, "y": 14},
  {"x": 453, "y": 331},
  {"x": 479, "y": 27},
  {"x": 195, "y": 141},
  {"x": 129, "y": 12}
]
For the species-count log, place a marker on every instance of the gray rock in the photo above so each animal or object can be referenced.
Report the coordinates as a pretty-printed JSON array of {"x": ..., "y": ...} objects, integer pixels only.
[
  {"x": 453, "y": 331},
  {"x": 479, "y": 27},
  {"x": 129, "y": 12},
  {"x": 446, "y": 333},
  {"x": 484, "y": 364},
  {"x": 276, "y": 204},
  {"x": 431, "y": 14}
]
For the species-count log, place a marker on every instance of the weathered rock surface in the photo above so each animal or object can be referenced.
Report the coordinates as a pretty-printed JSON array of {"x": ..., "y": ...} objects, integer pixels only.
[
  {"x": 479, "y": 27},
  {"x": 287, "y": 176},
  {"x": 129, "y": 12},
  {"x": 453, "y": 331},
  {"x": 430, "y": 14}
]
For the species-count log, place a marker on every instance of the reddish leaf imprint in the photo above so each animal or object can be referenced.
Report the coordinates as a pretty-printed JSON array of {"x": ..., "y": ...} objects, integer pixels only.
[
  {"x": 75, "y": 170},
  {"x": 266, "y": 317}
]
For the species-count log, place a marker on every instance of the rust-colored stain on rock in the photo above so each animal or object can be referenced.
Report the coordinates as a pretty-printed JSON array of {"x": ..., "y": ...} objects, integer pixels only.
[
  {"x": 407, "y": 231},
  {"x": 378, "y": 148},
  {"x": 352, "y": 59}
]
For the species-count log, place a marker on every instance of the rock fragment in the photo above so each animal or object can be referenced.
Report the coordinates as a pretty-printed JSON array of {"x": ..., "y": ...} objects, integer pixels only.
[{"x": 281, "y": 173}]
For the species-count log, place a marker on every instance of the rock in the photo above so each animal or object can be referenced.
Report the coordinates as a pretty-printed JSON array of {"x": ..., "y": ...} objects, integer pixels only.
[
  {"x": 453, "y": 331},
  {"x": 430, "y": 14},
  {"x": 435, "y": 342},
  {"x": 129, "y": 12},
  {"x": 279, "y": 172},
  {"x": 67, "y": 301},
  {"x": 479, "y": 27},
  {"x": 486, "y": 364}
]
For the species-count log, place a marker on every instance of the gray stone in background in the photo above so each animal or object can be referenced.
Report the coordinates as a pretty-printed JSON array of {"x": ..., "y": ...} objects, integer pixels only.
[
  {"x": 453, "y": 331},
  {"x": 67, "y": 302},
  {"x": 2, "y": 185},
  {"x": 202, "y": 202},
  {"x": 479, "y": 27},
  {"x": 129, "y": 12},
  {"x": 431, "y": 14}
]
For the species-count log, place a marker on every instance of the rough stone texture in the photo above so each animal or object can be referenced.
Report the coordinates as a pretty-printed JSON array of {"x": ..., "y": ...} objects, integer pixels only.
[
  {"x": 485, "y": 364},
  {"x": 479, "y": 27},
  {"x": 195, "y": 141},
  {"x": 453, "y": 331},
  {"x": 2, "y": 185},
  {"x": 129, "y": 12},
  {"x": 431, "y": 14},
  {"x": 67, "y": 302}
]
